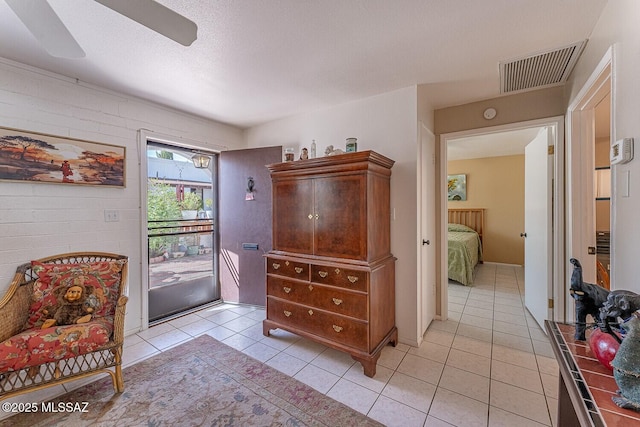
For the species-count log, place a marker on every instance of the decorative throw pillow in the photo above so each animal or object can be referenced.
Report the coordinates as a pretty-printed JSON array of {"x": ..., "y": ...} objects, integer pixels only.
[{"x": 102, "y": 276}]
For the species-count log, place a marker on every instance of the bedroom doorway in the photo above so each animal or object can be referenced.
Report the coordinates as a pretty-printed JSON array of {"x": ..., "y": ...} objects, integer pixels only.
[
  {"x": 590, "y": 134},
  {"x": 472, "y": 147}
]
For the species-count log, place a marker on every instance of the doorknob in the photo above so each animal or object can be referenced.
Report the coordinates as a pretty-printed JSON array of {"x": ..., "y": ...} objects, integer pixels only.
[
  {"x": 426, "y": 242},
  {"x": 523, "y": 234}
]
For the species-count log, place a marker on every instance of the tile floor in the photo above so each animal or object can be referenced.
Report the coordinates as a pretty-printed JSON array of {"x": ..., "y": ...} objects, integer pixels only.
[{"x": 488, "y": 365}]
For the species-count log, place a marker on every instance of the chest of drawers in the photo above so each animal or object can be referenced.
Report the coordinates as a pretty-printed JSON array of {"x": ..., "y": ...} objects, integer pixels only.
[
  {"x": 340, "y": 305},
  {"x": 331, "y": 276}
]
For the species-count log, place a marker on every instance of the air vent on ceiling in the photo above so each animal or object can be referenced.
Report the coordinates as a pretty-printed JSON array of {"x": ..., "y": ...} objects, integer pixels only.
[{"x": 539, "y": 70}]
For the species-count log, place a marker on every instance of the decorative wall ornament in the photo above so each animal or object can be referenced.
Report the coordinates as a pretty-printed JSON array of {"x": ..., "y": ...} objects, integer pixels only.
[
  {"x": 37, "y": 157},
  {"x": 250, "y": 192}
]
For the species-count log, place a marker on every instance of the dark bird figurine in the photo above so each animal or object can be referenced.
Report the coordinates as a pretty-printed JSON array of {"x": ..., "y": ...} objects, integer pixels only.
[
  {"x": 589, "y": 299},
  {"x": 626, "y": 370}
]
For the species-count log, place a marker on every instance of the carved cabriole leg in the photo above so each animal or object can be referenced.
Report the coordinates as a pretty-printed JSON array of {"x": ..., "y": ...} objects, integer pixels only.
[
  {"x": 267, "y": 327},
  {"x": 394, "y": 337},
  {"x": 370, "y": 361},
  {"x": 368, "y": 364}
]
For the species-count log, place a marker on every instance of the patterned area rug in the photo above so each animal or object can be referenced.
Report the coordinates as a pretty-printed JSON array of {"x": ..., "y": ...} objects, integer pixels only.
[{"x": 201, "y": 382}]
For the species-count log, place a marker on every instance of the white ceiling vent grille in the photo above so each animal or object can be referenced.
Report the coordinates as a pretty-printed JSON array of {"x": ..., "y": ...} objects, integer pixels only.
[{"x": 539, "y": 70}]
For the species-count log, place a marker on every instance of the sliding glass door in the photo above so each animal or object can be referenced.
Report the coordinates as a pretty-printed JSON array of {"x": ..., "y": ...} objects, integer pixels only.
[{"x": 181, "y": 229}]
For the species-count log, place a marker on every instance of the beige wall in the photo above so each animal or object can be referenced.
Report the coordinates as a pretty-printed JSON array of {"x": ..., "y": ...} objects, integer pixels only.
[
  {"x": 538, "y": 104},
  {"x": 496, "y": 184},
  {"x": 388, "y": 124}
]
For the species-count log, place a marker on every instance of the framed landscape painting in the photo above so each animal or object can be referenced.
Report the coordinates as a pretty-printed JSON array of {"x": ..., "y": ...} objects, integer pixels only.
[
  {"x": 36, "y": 157},
  {"x": 457, "y": 187}
]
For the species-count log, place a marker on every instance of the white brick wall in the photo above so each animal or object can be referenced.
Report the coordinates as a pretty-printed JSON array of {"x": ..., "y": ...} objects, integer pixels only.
[{"x": 38, "y": 220}]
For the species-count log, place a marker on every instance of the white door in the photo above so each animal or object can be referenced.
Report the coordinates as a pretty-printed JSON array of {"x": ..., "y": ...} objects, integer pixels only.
[
  {"x": 427, "y": 227},
  {"x": 538, "y": 222}
]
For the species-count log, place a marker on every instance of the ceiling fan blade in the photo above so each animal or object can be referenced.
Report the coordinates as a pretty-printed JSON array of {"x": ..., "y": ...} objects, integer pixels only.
[
  {"x": 157, "y": 17},
  {"x": 47, "y": 28}
]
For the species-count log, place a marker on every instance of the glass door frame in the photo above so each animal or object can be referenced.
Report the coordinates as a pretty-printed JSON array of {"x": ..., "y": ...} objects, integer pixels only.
[{"x": 145, "y": 137}]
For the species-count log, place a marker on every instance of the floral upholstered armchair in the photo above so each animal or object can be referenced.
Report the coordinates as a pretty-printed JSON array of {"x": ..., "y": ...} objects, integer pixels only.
[{"x": 63, "y": 319}]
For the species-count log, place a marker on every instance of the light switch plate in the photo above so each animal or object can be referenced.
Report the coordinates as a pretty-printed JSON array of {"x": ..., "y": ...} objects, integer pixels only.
[
  {"x": 624, "y": 183},
  {"x": 111, "y": 215}
]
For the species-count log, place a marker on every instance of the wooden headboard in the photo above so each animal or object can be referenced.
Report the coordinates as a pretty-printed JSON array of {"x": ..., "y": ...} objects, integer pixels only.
[{"x": 472, "y": 218}]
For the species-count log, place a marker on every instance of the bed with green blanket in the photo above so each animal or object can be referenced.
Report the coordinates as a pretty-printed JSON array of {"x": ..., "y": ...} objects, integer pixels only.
[{"x": 465, "y": 251}]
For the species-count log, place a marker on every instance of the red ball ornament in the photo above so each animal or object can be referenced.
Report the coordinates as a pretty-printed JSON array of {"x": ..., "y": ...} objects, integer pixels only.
[{"x": 604, "y": 346}]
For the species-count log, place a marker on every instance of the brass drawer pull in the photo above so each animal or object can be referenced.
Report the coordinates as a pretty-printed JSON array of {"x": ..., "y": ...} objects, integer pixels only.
[
  {"x": 322, "y": 274},
  {"x": 310, "y": 287},
  {"x": 337, "y": 301},
  {"x": 286, "y": 290},
  {"x": 310, "y": 216},
  {"x": 310, "y": 312},
  {"x": 276, "y": 266},
  {"x": 298, "y": 270},
  {"x": 337, "y": 328},
  {"x": 337, "y": 270},
  {"x": 287, "y": 313},
  {"x": 352, "y": 279}
]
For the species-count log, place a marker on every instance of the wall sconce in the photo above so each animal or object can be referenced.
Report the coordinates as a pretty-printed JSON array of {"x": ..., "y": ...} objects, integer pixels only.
[
  {"x": 201, "y": 161},
  {"x": 603, "y": 183},
  {"x": 250, "y": 191}
]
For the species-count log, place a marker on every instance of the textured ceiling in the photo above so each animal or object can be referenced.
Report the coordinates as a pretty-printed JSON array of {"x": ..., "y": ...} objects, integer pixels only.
[{"x": 256, "y": 61}]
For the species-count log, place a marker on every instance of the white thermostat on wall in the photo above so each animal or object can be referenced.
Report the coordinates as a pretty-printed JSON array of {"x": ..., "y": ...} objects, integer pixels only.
[{"x": 622, "y": 151}]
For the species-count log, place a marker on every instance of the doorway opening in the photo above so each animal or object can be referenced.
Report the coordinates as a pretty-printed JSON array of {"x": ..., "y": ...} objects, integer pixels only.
[
  {"x": 602, "y": 190},
  {"x": 509, "y": 157},
  {"x": 182, "y": 218},
  {"x": 591, "y": 209}
]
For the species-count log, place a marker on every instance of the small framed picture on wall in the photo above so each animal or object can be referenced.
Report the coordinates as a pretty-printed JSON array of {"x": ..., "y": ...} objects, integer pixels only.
[{"x": 457, "y": 187}]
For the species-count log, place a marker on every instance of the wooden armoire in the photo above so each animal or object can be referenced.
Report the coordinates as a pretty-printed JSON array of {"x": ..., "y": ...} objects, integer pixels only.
[{"x": 331, "y": 274}]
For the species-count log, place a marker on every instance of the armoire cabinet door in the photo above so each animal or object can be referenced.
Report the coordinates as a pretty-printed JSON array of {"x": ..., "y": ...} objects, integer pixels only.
[
  {"x": 293, "y": 216},
  {"x": 341, "y": 224}
]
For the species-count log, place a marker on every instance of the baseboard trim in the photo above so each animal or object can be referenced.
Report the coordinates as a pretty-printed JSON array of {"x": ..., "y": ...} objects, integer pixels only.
[{"x": 504, "y": 264}]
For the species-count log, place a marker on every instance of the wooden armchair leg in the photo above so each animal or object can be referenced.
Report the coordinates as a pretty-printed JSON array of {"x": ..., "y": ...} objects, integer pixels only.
[{"x": 118, "y": 380}]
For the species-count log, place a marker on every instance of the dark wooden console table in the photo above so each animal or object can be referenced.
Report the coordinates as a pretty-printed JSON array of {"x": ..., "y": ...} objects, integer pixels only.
[{"x": 586, "y": 387}]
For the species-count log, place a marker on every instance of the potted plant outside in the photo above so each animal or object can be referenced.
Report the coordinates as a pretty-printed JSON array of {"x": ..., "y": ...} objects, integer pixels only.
[
  {"x": 208, "y": 208},
  {"x": 162, "y": 209},
  {"x": 190, "y": 206}
]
